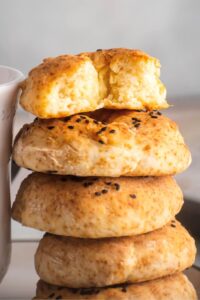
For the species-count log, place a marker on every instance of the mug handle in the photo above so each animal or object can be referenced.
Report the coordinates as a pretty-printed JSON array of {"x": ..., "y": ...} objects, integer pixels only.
[{"x": 14, "y": 170}]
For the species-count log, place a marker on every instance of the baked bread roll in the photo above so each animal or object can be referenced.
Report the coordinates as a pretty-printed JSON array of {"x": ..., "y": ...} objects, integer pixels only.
[
  {"x": 115, "y": 78},
  {"x": 95, "y": 207},
  {"x": 106, "y": 143},
  {"x": 83, "y": 263},
  {"x": 175, "y": 287}
]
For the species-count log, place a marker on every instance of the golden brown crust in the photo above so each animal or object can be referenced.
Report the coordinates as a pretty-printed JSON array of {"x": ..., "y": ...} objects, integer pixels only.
[
  {"x": 130, "y": 143},
  {"x": 175, "y": 287},
  {"x": 86, "y": 262},
  {"x": 96, "y": 207},
  {"x": 114, "y": 78}
]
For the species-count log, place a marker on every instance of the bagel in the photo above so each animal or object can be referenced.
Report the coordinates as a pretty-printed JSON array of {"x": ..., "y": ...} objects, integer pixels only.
[
  {"x": 83, "y": 263},
  {"x": 114, "y": 78},
  {"x": 105, "y": 143},
  {"x": 175, "y": 287},
  {"x": 96, "y": 207}
]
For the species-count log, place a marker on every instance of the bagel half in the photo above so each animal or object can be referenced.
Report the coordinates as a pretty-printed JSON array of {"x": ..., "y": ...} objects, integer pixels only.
[{"x": 114, "y": 78}]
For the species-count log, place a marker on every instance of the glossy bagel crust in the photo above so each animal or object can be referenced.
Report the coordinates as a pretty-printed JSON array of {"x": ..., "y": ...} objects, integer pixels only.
[{"x": 105, "y": 143}]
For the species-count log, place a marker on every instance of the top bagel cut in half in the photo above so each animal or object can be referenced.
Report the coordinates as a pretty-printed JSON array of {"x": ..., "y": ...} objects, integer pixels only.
[
  {"x": 114, "y": 79},
  {"x": 106, "y": 143}
]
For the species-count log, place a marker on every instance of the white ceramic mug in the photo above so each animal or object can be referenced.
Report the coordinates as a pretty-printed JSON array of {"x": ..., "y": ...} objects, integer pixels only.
[{"x": 9, "y": 82}]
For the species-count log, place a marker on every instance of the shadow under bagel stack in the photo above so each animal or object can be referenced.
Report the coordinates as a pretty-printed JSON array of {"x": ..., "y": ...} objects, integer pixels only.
[{"x": 103, "y": 158}]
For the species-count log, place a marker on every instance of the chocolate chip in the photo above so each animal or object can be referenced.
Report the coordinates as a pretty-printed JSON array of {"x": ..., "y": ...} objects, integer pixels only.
[
  {"x": 104, "y": 191},
  {"x": 50, "y": 127},
  {"x": 70, "y": 127}
]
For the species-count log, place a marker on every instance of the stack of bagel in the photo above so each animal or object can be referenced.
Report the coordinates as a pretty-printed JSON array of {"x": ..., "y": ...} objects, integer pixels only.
[{"x": 103, "y": 158}]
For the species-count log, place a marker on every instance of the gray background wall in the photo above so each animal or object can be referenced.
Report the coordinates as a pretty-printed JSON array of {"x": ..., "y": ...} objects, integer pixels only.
[{"x": 169, "y": 29}]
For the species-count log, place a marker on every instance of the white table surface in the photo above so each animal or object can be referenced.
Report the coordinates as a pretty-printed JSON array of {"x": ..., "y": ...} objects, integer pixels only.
[{"x": 20, "y": 280}]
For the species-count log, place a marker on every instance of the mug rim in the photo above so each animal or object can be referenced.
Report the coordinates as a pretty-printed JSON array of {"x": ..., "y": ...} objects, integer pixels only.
[{"x": 18, "y": 76}]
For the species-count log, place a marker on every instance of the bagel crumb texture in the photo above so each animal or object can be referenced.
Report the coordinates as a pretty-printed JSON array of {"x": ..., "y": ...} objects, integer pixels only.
[{"x": 113, "y": 78}]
